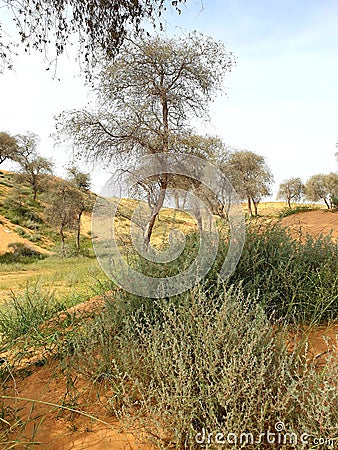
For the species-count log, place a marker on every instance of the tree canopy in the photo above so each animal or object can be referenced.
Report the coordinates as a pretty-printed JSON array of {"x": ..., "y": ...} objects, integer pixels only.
[
  {"x": 146, "y": 101},
  {"x": 8, "y": 147},
  {"x": 291, "y": 190},
  {"x": 250, "y": 176},
  {"x": 33, "y": 167},
  {"x": 99, "y": 26},
  {"x": 323, "y": 187}
]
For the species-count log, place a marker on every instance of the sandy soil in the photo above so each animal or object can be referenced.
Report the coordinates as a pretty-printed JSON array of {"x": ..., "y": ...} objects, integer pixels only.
[
  {"x": 8, "y": 236},
  {"x": 313, "y": 222},
  {"x": 61, "y": 429}
]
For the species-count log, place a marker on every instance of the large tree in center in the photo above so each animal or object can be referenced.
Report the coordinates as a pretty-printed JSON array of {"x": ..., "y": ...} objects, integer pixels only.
[{"x": 146, "y": 100}]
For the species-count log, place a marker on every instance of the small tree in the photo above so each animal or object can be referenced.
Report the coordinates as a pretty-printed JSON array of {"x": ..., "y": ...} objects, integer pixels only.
[
  {"x": 84, "y": 199},
  {"x": 33, "y": 167},
  {"x": 250, "y": 177},
  {"x": 61, "y": 212},
  {"x": 322, "y": 187},
  {"x": 34, "y": 171},
  {"x": 291, "y": 190},
  {"x": 8, "y": 147}
]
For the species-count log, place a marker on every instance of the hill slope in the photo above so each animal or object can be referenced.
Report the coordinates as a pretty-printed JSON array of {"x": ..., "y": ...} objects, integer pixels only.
[{"x": 22, "y": 220}]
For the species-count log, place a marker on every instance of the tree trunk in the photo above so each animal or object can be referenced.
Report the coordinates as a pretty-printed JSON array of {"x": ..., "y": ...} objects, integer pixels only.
[
  {"x": 34, "y": 187},
  {"x": 326, "y": 203},
  {"x": 78, "y": 230},
  {"x": 289, "y": 203},
  {"x": 177, "y": 200},
  {"x": 249, "y": 205},
  {"x": 164, "y": 178},
  {"x": 62, "y": 240},
  {"x": 151, "y": 222},
  {"x": 256, "y": 207}
]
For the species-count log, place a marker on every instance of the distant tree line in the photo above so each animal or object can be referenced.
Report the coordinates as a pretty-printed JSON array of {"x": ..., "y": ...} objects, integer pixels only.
[{"x": 320, "y": 187}]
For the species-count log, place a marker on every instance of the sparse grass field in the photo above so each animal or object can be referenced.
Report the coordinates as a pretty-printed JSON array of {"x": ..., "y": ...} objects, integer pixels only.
[{"x": 68, "y": 277}]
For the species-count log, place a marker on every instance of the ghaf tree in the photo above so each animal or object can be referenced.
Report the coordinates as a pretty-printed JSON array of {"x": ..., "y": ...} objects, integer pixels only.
[{"x": 146, "y": 99}]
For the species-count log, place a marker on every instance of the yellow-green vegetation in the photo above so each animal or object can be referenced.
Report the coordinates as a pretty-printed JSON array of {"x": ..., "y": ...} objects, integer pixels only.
[{"x": 76, "y": 276}]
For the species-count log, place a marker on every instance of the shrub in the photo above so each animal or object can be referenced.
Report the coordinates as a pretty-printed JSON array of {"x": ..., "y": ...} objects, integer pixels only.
[
  {"x": 21, "y": 253},
  {"x": 212, "y": 363},
  {"x": 293, "y": 278},
  {"x": 20, "y": 231},
  {"x": 297, "y": 209}
]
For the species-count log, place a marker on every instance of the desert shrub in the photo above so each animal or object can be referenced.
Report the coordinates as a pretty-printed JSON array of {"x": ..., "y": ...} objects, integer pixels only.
[
  {"x": 208, "y": 363},
  {"x": 23, "y": 313},
  {"x": 36, "y": 237},
  {"x": 20, "y": 254},
  {"x": 32, "y": 224},
  {"x": 296, "y": 209},
  {"x": 293, "y": 278},
  {"x": 20, "y": 231}
]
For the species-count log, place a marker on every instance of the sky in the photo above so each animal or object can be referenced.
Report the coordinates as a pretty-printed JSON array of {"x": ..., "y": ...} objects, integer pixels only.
[{"x": 281, "y": 98}]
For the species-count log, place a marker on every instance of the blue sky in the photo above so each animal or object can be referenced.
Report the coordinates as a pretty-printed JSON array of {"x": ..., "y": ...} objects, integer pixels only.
[{"x": 282, "y": 97}]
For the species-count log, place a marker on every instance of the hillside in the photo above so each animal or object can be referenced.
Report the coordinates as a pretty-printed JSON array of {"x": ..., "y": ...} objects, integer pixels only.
[{"x": 23, "y": 220}]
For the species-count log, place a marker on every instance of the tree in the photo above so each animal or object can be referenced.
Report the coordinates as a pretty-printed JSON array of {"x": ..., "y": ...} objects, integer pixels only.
[
  {"x": 33, "y": 166},
  {"x": 250, "y": 177},
  {"x": 80, "y": 179},
  {"x": 61, "y": 211},
  {"x": 322, "y": 187},
  {"x": 291, "y": 190},
  {"x": 146, "y": 100},
  {"x": 99, "y": 26},
  {"x": 83, "y": 200},
  {"x": 8, "y": 147}
]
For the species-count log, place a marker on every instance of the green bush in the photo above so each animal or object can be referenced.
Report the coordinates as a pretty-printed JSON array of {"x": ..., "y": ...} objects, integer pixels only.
[
  {"x": 294, "y": 279},
  {"x": 36, "y": 237},
  {"x": 212, "y": 363},
  {"x": 296, "y": 209},
  {"x": 20, "y": 231},
  {"x": 20, "y": 254}
]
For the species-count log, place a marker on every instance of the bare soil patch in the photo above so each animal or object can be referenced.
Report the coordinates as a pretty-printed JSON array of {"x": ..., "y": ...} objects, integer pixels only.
[
  {"x": 8, "y": 236},
  {"x": 313, "y": 222},
  {"x": 54, "y": 428}
]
